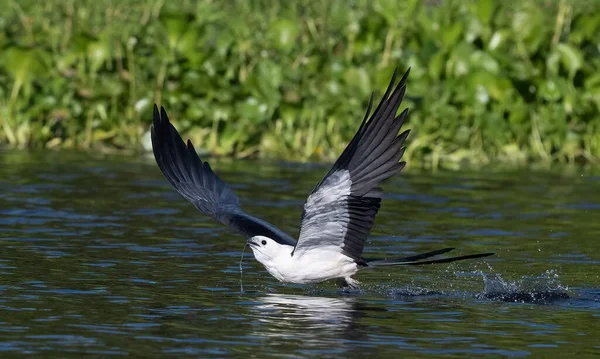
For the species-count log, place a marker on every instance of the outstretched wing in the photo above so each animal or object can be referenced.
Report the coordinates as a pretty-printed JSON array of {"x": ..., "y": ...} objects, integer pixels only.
[
  {"x": 197, "y": 183},
  {"x": 340, "y": 211}
]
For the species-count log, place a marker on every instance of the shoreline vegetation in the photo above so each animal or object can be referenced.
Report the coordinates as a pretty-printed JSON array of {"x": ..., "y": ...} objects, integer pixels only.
[{"x": 505, "y": 82}]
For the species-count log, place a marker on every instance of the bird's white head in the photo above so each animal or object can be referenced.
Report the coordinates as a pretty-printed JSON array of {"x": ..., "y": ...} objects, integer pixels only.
[{"x": 266, "y": 250}]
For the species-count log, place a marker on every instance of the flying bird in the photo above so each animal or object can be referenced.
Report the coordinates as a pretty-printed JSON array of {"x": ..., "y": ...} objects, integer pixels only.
[{"x": 338, "y": 214}]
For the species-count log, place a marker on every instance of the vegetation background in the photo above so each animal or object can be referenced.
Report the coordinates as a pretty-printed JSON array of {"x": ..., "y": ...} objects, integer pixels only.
[{"x": 511, "y": 82}]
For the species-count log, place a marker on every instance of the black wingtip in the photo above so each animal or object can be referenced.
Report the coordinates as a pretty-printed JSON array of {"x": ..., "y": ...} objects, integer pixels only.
[
  {"x": 402, "y": 83},
  {"x": 190, "y": 146},
  {"x": 405, "y": 76},
  {"x": 368, "y": 112},
  {"x": 163, "y": 114},
  {"x": 395, "y": 74},
  {"x": 155, "y": 116}
]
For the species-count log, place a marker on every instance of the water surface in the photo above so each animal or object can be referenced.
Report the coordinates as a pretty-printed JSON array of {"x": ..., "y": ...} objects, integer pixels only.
[{"x": 100, "y": 256}]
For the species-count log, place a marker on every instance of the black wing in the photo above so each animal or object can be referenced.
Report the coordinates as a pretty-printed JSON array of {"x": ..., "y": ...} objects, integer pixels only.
[
  {"x": 197, "y": 183},
  {"x": 340, "y": 211}
]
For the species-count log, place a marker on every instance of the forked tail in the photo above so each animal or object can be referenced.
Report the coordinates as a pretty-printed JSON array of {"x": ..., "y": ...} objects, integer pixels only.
[{"x": 421, "y": 259}]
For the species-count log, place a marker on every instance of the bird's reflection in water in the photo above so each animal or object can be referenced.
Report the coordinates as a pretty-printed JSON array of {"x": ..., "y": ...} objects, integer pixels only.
[{"x": 313, "y": 320}]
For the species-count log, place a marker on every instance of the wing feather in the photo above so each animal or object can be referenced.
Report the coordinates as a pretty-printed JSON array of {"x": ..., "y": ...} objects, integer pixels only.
[
  {"x": 340, "y": 211},
  {"x": 196, "y": 182}
]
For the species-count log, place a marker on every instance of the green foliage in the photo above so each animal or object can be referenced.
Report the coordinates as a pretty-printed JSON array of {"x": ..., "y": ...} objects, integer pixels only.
[{"x": 491, "y": 80}]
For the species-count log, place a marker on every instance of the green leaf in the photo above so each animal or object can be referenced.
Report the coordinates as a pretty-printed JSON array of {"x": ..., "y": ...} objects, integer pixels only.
[
  {"x": 176, "y": 24},
  {"x": 553, "y": 89},
  {"x": 97, "y": 53},
  {"x": 452, "y": 35},
  {"x": 458, "y": 63},
  {"x": 484, "y": 10},
  {"x": 485, "y": 61},
  {"x": 24, "y": 64},
  {"x": 571, "y": 58},
  {"x": 284, "y": 33}
]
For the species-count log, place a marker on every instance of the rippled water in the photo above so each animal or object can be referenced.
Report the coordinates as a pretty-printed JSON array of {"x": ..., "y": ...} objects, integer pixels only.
[{"x": 101, "y": 256}]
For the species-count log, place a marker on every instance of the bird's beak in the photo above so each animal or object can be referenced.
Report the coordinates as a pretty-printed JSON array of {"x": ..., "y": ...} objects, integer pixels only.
[{"x": 250, "y": 242}]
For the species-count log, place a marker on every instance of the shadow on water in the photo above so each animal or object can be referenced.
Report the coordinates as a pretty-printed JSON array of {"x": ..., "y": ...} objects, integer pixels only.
[{"x": 100, "y": 256}]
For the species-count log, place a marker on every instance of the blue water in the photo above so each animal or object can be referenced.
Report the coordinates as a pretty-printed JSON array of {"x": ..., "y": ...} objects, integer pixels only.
[{"x": 101, "y": 257}]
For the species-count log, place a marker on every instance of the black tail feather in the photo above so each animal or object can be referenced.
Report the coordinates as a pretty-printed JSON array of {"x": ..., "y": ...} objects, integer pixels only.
[
  {"x": 410, "y": 258},
  {"x": 400, "y": 261}
]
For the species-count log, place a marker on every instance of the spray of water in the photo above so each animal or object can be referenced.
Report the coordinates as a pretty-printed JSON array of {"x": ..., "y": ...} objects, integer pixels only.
[
  {"x": 544, "y": 288},
  {"x": 242, "y": 269}
]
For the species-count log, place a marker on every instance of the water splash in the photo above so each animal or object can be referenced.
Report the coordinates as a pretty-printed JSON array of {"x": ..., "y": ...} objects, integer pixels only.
[
  {"x": 543, "y": 289},
  {"x": 242, "y": 269}
]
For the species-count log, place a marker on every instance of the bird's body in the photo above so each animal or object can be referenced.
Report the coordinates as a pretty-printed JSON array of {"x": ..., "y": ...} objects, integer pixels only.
[
  {"x": 338, "y": 214},
  {"x": 312, "y": 266}
]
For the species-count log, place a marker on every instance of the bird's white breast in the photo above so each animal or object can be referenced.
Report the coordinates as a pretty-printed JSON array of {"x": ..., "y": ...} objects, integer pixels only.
[{"x": 311, "y": 266}]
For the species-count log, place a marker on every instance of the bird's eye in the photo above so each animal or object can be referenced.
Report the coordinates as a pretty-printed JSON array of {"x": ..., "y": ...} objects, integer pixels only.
[{"x": 264, "y": 243}]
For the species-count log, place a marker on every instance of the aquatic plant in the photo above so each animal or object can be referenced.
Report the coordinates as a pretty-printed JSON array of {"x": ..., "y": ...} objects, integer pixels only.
[{"x": 491, "y": 81}]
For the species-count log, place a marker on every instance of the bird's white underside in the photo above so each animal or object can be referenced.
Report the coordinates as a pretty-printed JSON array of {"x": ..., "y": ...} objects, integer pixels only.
[{"x": 309, "y": 266}]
